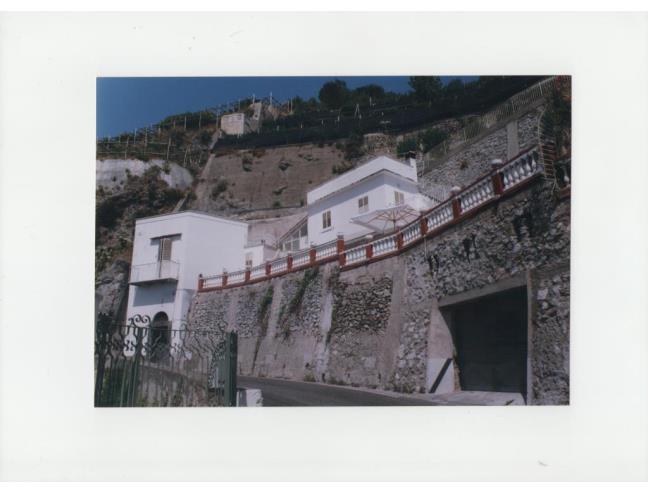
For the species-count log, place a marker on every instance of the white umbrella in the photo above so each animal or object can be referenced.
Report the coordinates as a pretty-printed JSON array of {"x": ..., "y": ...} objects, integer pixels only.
[{"x": 386, "y": 219}]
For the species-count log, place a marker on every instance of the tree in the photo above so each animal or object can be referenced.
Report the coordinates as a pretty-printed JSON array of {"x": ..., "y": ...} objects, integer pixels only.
[
  {"x": 454, "y": 91},
  {"x": 426, "y": 89},
  {"x": 334, "y": 94},
  {"x": 373, "y": 91}
]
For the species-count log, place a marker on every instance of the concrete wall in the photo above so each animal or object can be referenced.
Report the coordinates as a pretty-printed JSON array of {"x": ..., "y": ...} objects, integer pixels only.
[
  {"x": 380, "y": 325},
  {"x": 233, "y": 124}
]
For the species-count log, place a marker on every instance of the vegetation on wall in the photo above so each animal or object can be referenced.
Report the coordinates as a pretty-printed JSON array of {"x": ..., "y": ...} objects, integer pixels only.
[{"x": 293, "y": 307}]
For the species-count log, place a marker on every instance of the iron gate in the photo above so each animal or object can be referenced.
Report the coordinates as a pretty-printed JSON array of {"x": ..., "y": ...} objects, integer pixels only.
[{"x": 144, "y": 364}]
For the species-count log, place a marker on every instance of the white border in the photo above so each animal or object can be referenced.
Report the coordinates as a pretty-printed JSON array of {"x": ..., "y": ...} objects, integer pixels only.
[{"x": 48, "y": 427}]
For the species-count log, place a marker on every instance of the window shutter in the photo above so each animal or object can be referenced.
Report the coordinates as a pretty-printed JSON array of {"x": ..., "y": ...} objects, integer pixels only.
[{"x": 165, "y": 249}]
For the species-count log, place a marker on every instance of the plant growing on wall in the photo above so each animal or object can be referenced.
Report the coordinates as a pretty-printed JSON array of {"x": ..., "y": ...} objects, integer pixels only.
[{"x": 294, "y": 305}]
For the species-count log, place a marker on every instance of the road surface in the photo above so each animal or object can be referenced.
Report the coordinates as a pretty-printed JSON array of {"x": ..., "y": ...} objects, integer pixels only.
[{"x": 283, "y": 393}]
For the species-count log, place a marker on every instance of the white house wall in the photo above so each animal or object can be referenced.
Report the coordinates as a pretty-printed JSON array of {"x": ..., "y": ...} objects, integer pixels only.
[
  {"x": 343, "y": 206},
  {"x": 362, "y": 172},
  {"x": 202, "y": 244},
  {"x": 260, "y": 254}
]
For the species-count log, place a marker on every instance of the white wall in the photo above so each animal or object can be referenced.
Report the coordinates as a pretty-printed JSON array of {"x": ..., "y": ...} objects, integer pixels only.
[
  {"x": 360, "y": 173},
  {"x": 344, "y": 206},
  {"x": 260, "y": 254},
  {"x": 204, "y": 244},
  {"x": 233, "y": 124}
]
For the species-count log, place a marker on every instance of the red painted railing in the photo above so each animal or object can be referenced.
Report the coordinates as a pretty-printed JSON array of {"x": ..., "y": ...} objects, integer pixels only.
[{"x": 501, "y": 181}]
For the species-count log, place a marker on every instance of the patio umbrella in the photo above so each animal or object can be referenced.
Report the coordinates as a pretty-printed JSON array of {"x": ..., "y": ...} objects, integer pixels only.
[{"x": 387, "y": 219}]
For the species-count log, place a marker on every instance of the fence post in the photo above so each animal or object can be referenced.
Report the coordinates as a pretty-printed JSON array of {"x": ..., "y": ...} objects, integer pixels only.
[
  {"x": 456, "y": 204},
  {"x": 369, "y": 251},
  {"x": 231, "y": 351},
  {"x": 312, "y": 253},
  {"x": 340, "y": 249},
  {"x": 498, "y": 182}
]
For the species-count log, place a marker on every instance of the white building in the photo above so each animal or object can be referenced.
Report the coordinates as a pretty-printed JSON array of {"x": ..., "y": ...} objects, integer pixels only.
[
  {"x": 233, "y": 124},
  {"x": 170, "y": 252},
  {"x": 362, "y": 201}
]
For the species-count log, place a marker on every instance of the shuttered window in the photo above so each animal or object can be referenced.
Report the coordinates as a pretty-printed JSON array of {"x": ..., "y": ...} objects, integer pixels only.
[
  {"x": 326, "y": 219},
  {"x": 164, "y": 252},
  {"x": 363, "y": 204}
]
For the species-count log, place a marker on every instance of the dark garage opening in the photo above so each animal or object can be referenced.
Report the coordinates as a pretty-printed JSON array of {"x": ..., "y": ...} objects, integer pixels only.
[{"x": 490, "y": 338}]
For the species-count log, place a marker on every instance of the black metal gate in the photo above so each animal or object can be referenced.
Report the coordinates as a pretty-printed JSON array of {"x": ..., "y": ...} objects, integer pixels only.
[{"x": 144, "y": 364}]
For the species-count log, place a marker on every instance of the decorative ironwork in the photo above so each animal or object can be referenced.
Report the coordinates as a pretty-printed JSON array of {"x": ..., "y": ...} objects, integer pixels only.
[{"x": 147, "y": 363}]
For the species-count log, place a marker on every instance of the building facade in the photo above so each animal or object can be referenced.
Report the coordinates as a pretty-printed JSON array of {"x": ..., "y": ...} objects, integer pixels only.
[
  {"x": 170, "y": 252},
  {"x": 340, "y": 206}
]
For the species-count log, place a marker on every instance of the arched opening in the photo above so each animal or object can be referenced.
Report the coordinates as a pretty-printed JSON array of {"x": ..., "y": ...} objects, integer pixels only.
[{"x": 160, "y": 337}]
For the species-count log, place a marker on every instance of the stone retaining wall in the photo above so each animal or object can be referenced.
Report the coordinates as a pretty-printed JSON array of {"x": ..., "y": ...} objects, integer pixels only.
[{"x": 379, "y": 325}]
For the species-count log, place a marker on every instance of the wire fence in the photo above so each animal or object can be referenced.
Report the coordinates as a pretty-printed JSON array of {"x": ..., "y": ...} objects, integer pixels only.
[{"x": 479, "y": 124}]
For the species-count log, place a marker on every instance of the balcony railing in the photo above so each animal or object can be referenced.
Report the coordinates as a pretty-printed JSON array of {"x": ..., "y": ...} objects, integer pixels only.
[
  {"x": 501, "y": 181},
  {"x": 159, "y": 271}
]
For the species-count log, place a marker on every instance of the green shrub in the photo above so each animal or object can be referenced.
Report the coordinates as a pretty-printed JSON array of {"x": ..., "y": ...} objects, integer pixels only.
[
  {"x": 409, "y": 145},
  {"x": 431, "y": 138}
]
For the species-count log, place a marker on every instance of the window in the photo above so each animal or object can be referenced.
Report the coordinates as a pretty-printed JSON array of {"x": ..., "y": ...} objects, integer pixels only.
[
  {"x": 164, "y": 249},
  {"x": 326, "y": 219},
  {"x": 363, "y": 204},
  {"x": 248, "y": 260},
  {"x": 293, "y": 241},
  {"x": 399, "y": 198}
]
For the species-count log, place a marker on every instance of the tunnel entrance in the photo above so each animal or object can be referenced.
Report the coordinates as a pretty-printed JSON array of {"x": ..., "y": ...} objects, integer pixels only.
[{"x": 490, "y": 338}]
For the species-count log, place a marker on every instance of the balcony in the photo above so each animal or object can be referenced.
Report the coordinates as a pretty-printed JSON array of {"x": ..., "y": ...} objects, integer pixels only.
[{"x": 160, "y": 271}]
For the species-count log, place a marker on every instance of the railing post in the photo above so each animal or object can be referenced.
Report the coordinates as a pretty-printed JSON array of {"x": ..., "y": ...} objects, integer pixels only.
[
  {"x": 369, "y": 251},
  {"x": 340, "y": 250},
  {"x": 424, "y": 226},
  {"x": 268, "y": 268},
  {"x": 399, "y": 240},
  {"x": 312, "y": 254},
  {"x": 201, "y": 281},
  {"x": 224, "y": 279},
  {"x": 498, "y": 182},
  {"x": 289, "y": 262},
  {"x": 247, "y": 274},
  {"x": 456, "y": 204}
]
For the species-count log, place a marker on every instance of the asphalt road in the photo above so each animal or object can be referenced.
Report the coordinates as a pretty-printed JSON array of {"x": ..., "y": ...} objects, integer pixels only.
[{"x": 282, "y": 393}]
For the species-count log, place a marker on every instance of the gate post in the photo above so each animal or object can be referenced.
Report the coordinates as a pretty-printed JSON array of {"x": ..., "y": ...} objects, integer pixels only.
[{"x": 231, "y": 350}]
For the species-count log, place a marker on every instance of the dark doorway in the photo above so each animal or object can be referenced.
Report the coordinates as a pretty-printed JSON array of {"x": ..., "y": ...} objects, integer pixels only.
[
  {"x": 490, "y": 337},
  {"x": 159, "y": 338}
]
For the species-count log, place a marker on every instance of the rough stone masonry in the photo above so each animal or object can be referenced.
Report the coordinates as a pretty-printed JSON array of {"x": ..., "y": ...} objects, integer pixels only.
[{"x": 384, "y": 325}]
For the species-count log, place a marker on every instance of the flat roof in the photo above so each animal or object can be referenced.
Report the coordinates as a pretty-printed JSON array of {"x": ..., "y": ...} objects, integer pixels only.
[
  {"x": 199, "y": 213},
  {"x": 360, "y": 173}
]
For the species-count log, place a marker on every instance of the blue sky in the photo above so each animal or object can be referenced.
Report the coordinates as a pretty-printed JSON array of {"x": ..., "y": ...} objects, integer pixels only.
[{"x": 126, "y": 103}]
